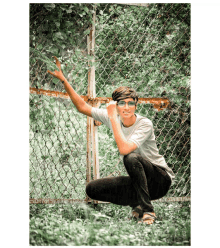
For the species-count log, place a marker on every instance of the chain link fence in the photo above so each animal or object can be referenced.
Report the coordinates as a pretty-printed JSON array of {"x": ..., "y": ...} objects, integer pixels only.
[{"x": 144, "y": 46}]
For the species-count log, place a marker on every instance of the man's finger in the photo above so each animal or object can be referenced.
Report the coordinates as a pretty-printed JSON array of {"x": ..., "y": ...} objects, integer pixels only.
[
  {"x": 53, "y": 74},
  {"x": 57, "y": 62},
  {"x": 112, "y": 102}
]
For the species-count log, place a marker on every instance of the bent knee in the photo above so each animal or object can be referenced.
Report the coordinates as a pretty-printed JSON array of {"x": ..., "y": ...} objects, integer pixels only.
[
  {"x": 89, "y": 189},
  {"x": 131, "y": 157}
]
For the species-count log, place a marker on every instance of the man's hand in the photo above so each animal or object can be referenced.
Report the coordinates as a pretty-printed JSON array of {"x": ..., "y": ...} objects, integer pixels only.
[
  {"x": 124, "y": 146},
  {"x": 111, "y": 108},
  {"x": 57, "y": 74}
]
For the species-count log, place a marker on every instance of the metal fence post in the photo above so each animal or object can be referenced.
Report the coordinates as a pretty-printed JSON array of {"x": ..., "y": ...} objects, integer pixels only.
[
  {"x": 95, "y": 149},
  {"x": 88, "y": 134},
  {"x": 92, "y": 131}
]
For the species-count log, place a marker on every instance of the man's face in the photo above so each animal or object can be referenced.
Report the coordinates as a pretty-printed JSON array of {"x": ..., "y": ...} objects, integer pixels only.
[{"x": 126, "y": 108}]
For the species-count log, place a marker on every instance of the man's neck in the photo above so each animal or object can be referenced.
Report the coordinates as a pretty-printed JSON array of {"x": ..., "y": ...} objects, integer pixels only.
[{"x": 129, "y": 122}]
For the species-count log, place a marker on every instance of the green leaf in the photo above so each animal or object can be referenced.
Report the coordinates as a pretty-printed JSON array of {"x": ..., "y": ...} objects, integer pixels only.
[
  {"x": 40, "y": 46},
  {"x": 59, "y": 35},
  {"x": 52, "y": 100},
  {"x": 86, "y": 9},
  {"x": 57, "y": 23},
  {"x": 69, "y": 11},
  {"x": 87, "y": 31},
  {"x": 49, "y": 6},
  {"x": 82, "y": 14}
]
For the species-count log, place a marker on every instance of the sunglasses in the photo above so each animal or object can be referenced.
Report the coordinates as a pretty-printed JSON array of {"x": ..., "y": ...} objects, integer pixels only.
[{"x": 123, "y": 103}]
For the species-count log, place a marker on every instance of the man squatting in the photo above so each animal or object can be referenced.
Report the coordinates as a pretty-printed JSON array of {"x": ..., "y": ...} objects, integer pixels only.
[{"x": 149, "y": 177}]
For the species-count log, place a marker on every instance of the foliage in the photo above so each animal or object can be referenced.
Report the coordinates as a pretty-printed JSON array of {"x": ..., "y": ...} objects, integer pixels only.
[
  {"x": 144, "y": 47},
  {"x": 108, "y": 225},
  {"x": 59, "y": 30}
]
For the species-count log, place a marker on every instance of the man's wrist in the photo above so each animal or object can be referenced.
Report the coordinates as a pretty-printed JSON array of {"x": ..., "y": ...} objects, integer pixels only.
[{"x": 113, "y": 118}]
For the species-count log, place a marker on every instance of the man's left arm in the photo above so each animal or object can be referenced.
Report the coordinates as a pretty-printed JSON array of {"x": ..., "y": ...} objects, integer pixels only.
[{"x": 125, "y": 147}]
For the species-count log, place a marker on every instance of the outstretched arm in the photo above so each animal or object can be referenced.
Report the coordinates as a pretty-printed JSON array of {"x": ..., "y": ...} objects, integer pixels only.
[{"x": 80, "y": 104}]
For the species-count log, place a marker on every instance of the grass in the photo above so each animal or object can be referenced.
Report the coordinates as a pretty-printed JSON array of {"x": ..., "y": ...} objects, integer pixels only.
[{"x": 108, "y": 224}]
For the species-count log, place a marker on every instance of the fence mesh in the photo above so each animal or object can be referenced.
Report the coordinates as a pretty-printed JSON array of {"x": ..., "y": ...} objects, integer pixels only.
[
  {"x": 144, "y": 47},
  {"x": 57, "y": 150}
]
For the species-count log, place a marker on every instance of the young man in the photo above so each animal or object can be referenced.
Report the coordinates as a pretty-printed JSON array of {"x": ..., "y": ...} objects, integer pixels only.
[{"x": 149, "y": 177}]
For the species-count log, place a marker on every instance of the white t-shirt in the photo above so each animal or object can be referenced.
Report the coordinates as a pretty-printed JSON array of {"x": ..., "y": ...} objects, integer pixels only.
[{"x": 141, "y": 133}]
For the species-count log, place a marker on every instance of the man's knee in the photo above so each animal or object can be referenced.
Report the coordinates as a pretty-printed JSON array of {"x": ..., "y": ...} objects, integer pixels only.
[
  {"x": 131, "y": 161},
  {"x": 89, "y": 189},
  {"x": 131, "y": 158}
]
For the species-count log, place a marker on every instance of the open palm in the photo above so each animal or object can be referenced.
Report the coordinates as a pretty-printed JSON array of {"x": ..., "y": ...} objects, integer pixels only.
[{"x": 57, "y": 74}]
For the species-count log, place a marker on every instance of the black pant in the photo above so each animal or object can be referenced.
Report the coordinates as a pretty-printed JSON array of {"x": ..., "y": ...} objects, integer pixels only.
[{"x": 145, "y": 182}]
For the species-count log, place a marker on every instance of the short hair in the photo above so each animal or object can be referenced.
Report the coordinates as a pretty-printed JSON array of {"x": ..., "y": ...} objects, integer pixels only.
[{"x": 124, "y": 92}]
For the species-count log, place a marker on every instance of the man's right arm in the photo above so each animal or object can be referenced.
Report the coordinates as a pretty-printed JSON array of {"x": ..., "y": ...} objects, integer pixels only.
[{"x": 80, "y": 104}]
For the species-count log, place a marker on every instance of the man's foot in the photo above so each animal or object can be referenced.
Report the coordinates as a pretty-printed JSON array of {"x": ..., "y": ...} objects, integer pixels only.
[
  {"x": 135, "y": 215},
  {"x": 148, "y": 218},
  {"x": 137, "y": 212}
]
